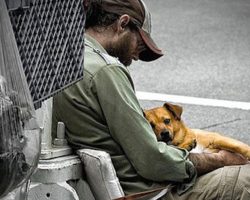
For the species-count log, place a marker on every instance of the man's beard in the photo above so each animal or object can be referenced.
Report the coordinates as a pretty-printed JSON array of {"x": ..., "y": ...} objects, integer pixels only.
[{"x": 121, "y": 50}]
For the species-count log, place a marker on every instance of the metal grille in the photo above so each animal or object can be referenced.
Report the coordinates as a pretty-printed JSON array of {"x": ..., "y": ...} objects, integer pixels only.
[{"x": 50, "y": 39}]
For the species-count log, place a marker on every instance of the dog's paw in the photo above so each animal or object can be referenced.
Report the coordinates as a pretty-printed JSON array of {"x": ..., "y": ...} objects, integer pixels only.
[
  {"x": 192, "y": 145},
  {"x": 189, "y": 145}
]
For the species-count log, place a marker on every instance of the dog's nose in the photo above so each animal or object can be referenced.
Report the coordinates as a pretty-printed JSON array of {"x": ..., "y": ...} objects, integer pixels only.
[{"x": 165, "y": 136}]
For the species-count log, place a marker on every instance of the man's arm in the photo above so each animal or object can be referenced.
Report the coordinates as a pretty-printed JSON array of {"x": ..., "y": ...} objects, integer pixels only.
[
  {"x": 152, "y": 160},
  {"x": 206, "y": 162}
]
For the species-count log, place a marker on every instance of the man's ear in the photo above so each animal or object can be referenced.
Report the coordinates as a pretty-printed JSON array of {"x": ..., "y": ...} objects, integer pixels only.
[
  {"x": 123, "y": 22},
  {"x": 174, "y": 109}
]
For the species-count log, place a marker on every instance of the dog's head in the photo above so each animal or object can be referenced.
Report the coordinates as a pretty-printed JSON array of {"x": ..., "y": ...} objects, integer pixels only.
[{"x": 165, "y": 121}]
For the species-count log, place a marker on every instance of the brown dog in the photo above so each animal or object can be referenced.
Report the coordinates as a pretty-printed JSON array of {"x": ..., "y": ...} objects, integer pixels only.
[{"x": 168, "y": 127}]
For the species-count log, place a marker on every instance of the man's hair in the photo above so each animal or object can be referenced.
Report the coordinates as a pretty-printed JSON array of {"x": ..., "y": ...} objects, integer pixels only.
[
  {"x": 105, "y": 13},
  {"x": 96, "y": 16}
]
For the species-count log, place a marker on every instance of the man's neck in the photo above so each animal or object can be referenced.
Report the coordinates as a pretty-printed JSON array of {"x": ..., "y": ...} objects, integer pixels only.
[{"x": 103, "y": 36}]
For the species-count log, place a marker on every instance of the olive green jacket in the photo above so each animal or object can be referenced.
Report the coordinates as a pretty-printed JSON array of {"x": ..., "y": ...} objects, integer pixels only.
[{"x": 102, "y": 112}]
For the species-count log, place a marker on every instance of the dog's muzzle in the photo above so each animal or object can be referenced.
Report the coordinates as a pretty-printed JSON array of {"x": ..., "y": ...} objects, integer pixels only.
[{"x": 165, "y": 136}]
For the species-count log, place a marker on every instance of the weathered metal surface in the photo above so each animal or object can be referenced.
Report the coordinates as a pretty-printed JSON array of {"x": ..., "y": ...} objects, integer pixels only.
[
  {"x": 58, "y": 170},
  {"x": 56, "y": 191}
]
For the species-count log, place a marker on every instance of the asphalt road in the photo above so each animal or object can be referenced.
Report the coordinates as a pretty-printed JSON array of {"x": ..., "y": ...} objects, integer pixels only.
[{"x": 207, "y": 55}]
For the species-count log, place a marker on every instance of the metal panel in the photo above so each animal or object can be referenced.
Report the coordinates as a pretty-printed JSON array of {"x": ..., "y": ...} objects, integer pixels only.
[{"x": 50, "y": 39}]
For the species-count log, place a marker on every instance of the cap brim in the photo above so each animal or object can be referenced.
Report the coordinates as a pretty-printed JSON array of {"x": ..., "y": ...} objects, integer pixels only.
[{"x": 152, "y": 52}]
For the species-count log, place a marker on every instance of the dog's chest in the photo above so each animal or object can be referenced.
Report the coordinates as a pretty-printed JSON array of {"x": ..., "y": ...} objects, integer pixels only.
[{"x": 200, "y": 149}]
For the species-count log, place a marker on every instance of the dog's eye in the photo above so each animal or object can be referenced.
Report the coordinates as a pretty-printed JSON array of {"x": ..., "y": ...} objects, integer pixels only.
[
  {"x": 166, "y": 121},
  {"x": 152, "y": 125}
]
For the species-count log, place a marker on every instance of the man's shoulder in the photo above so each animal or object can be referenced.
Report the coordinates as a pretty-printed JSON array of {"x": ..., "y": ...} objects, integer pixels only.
[
  {"x": 100, "y": 57},
  {"x": 95, "y": 60}
]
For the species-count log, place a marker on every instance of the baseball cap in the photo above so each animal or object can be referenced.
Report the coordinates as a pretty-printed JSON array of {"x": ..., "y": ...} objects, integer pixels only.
[{"x": 141, "y": 17}]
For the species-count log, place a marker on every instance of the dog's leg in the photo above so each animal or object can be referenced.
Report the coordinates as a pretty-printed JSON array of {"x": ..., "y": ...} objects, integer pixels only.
[
  {"x": 189, "y": 143},
  {"x": 212, "y": 140}
]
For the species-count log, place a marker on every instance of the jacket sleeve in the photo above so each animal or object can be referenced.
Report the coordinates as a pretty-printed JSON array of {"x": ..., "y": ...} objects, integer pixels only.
[{"x": 152, "y": 159}]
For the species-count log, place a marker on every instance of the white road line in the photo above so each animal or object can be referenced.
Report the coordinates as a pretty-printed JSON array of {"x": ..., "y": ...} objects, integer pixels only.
[{"x": 192, "y": 100}]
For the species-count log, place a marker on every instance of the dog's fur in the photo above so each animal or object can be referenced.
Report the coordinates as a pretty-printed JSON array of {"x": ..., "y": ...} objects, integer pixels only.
[{"x": 168, "y": 127}]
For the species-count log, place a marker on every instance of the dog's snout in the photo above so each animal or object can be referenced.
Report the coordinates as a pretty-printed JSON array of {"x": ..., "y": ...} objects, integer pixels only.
[{"x": 165, "y": 136}]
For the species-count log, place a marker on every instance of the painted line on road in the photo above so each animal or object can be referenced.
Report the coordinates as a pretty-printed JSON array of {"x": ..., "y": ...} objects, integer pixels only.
[{"x": 150, "y": 96}]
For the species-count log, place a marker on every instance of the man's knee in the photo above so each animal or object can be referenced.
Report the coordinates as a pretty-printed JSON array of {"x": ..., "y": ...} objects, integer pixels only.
[
  {"x": 232, "y": 182},
  {"x": 242, "y": 186}
]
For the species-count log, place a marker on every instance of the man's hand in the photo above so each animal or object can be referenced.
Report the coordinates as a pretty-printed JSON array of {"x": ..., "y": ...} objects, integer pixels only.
[
  {"x": 230, "y": 158},
  {"x": 206, "y": 162}
]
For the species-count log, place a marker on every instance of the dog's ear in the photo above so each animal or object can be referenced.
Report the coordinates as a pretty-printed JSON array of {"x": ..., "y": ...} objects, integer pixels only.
[{"x": 174, "y": 109}]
